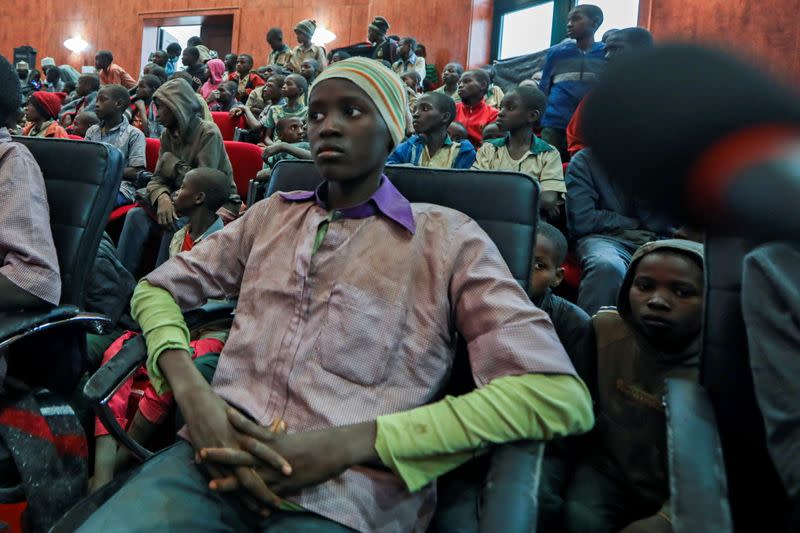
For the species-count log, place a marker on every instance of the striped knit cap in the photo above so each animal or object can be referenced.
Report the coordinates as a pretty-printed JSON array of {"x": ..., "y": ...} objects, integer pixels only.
[
  {"x": 382, "y": 86},
  {"x": 307, "y": 27}
]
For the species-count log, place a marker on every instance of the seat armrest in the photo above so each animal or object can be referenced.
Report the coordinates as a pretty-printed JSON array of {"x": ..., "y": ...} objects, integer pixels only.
[
  {"x": 698, "y": 485},
  {"x": 16, "y": 326},
  {"x": 107, "y": 380},
  {"x": 510, "y": 495}
]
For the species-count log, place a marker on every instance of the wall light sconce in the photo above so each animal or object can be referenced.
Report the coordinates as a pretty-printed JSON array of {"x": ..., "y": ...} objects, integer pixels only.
[
  {"x": 322, "y": 36},
  {"x": 76, "y": 44}
]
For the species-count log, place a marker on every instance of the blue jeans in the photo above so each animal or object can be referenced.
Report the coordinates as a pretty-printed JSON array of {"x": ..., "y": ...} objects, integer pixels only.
[
  {"x": 170, "y": 493},
  {"x": 136, "y": 231},
  {"x": 604, "y": 261}
]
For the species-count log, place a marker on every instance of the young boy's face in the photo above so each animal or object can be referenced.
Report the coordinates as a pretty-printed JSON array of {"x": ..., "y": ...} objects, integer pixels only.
[
  {"x": 514, "y": 115},
  {"x": 404, "y": 49},
  {"x": 144, "y": 91},
  {"x": 457, "y": 131},
  {"x": 290, "y": 88},
  {"x": 450, "y": 74},
  {"x": 411, "y": 82},
  {"x": 579, "y": 24},
  {"x": 84, "y": 86},
  {"x": 308, "y": 71},
  {"x": 274, "y": 87},
  {"x": 546, "y": 273},
  {"x": 188, "y": 59},
  {"x": 187, "y": 197},
  {"x": 273, "y": 41},
  {"x": 80, "y": 125},
  {"x": 426, "y": 116},
  {"x": 491, "y": 131},
  {"x": 105, "y": 106},
  {"x": 32, "y": 114},
  {"x": 165, "y": 115},
  {"x": 160, "y": 59},
  {"x": 291, "y": 130},
  {"x": 349, "y": 139},
  {"x": 666, "y": 299},
  {"x": 101, "y": 62},
  {"x": 302, "y": 38},
  {"x": 226, "y": 93},
  {"x": 470, "y": 88},
  {"x": 230, "y": 62},
  {"x": 243, "y": 65}
]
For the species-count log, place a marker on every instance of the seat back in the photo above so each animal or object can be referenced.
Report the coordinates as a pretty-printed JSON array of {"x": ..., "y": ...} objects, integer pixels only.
[
  {"x": 151, "y": 148},
  {"x": 82, "y": 180},
  {"x": 757, "y": 499},
  {"x": 246, "y": 162},
  {"x": 226, "y": 125},
  {"x": 511, "y": 223}
]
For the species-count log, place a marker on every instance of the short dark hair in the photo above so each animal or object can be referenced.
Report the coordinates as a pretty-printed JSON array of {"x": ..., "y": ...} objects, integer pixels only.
[
  {"x": 459, "y": 67},
  {"x": 248, "y": 56},
  {"x": 298, "y": 80},
  {"x": 152, "y": 81},
  {"x": 194, "y": 41},
  {"x": 117, "y": 93},
  {"x": 159, "y": 72},
  {"x": 637, "y": 37},
  {"x": 341, "y": 53},
  {"x": 593, "y": 12},
  {"x": 314, "y": 64},
  {"x": 556, "y": 238},
  {"x": 482, "y": 76},
  {"x": 443, "y": 103},
  {"x": 411, "y": 42},
  {"x": 161, "y": 53},
  {"x": 174, "y": 48},
  {"x": 232, "y": 86},
  {"x": 192, "y": 51},
  {"x": 10, "y": 97},
  {"x": 276, "y": 33},
  {"x": 105, "y": 54},
  {"x": 231, "y": 56},
  {"x": 94, "y": 81},
  {"x": 282, "y": 123},
  {"x": 414, "y": 74},
  {"x": 89, "y": 117},
  {"x": 532, "y": 98},
  {"x": 215, "y": 184}
]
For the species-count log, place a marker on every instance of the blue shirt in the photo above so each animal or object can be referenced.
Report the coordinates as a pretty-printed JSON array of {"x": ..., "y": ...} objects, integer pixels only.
[
  {"x": 569, "y": 73},
  {"x": 410, "y": 152}
]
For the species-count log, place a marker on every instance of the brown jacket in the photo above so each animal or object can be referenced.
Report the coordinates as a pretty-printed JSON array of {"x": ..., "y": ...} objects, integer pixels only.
[{"x": 197, "y": 143}]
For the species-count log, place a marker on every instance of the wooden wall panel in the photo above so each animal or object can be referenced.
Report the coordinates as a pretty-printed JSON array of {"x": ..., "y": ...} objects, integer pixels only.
[
  {"x": 444, "y": 26},
  {"x": 755, "y": 29}
]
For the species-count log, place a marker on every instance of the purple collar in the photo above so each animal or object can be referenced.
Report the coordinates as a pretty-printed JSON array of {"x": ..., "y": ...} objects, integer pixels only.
[{"x": 387, "y": 200}]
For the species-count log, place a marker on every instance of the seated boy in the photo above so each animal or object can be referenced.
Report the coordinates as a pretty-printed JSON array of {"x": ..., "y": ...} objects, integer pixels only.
[
  {"x": 82, "y": 123},
  {"x": 607, "y": 225},
  {"x": 431, "y": 146},
  {"x": 407, "y": 59},
  {"x": 291, "y": 144},
  {"x": 350, "y": 299},
  {"x": 450, "y": 75},
  {"x": 112, "y": 102},
  {"x": 202, "y": 106},
  {"x": 187, "y": 142},
  {"x": 246, "y": 78},
  {"x": 29, "y": 273},
  {"x": 202, "y": 193},
  {"x": 86, "y": 93},
  {"x": 194, "y": 67},
  {"x": 492, "y": 131},
  {"x": 494, "y": 94},
  {"x": 145, "y": 114},
  {"x": 41, "y": 113},
  {"x": 457, "y": 131},
  {"x": 570, "y": 321},
  {"x": 224, "y": 97},
  {"x": 304, "y": 31},
  {"x": 294, "y": 87},
  {"x": 412, "y": 81},
  {"x": 520, "y": 150},
  {"x": 472, "y": 110},
  {"x": 270, "y": 95},
  {"x": 310, "y": 69},
  {"x": 654, "y": 334},
  {"x": 257, "y": 99}
]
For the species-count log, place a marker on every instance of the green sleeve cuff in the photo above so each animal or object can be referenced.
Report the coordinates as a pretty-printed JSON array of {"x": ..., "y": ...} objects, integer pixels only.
[
  {"x": 424, "y": 443},
  {"x": 162, "y": 325}
]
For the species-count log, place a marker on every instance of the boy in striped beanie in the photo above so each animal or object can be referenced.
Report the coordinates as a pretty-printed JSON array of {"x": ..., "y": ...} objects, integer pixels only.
[
  {"x": 372, "y": 291},
  {"x": 306, "y": 50}
]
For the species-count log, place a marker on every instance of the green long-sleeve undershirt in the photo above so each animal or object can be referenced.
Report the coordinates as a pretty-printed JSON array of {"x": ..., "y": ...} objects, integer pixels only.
[{"x": 423, "y": 443}]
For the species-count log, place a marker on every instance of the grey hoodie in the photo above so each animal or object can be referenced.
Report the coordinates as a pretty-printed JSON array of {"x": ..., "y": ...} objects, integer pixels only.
[{"x": 196, "y": 143}]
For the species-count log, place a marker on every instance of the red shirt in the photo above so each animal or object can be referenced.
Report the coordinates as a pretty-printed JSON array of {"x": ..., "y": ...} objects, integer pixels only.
[
  {"x": 188, "y": 242},
  {"x": 474, "y": 118},
  {"x": 575, "y": 139}
]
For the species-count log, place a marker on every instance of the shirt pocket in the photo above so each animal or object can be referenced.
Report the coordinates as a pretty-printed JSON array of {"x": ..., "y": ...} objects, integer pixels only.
[{"x": 360, "y": 337}]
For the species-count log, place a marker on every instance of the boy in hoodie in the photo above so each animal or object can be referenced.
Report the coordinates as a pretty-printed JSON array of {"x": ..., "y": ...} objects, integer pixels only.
[
  {"x": 432, "y": 146},
  {"x": 86, "y": 93},
  {"x": 621, "y": 478},
  {"x": 188, "y": 142},
  {"x": 312, "y": 268}
]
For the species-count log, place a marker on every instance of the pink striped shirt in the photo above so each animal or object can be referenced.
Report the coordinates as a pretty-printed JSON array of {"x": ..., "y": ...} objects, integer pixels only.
[{"x": 364, "y": 327}]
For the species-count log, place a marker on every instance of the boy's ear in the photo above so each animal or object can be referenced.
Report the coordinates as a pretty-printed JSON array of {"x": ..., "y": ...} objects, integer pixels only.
[
  {"x": 559, "y": 278},
  {"x": 534, "y": 115},
  {"x": 200, "y": 199}
]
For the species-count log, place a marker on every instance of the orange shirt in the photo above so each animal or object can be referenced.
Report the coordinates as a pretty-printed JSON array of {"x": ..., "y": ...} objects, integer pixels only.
[
  {"x": 116, "y": 74},
  {"x": 53, "y": 130}
]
